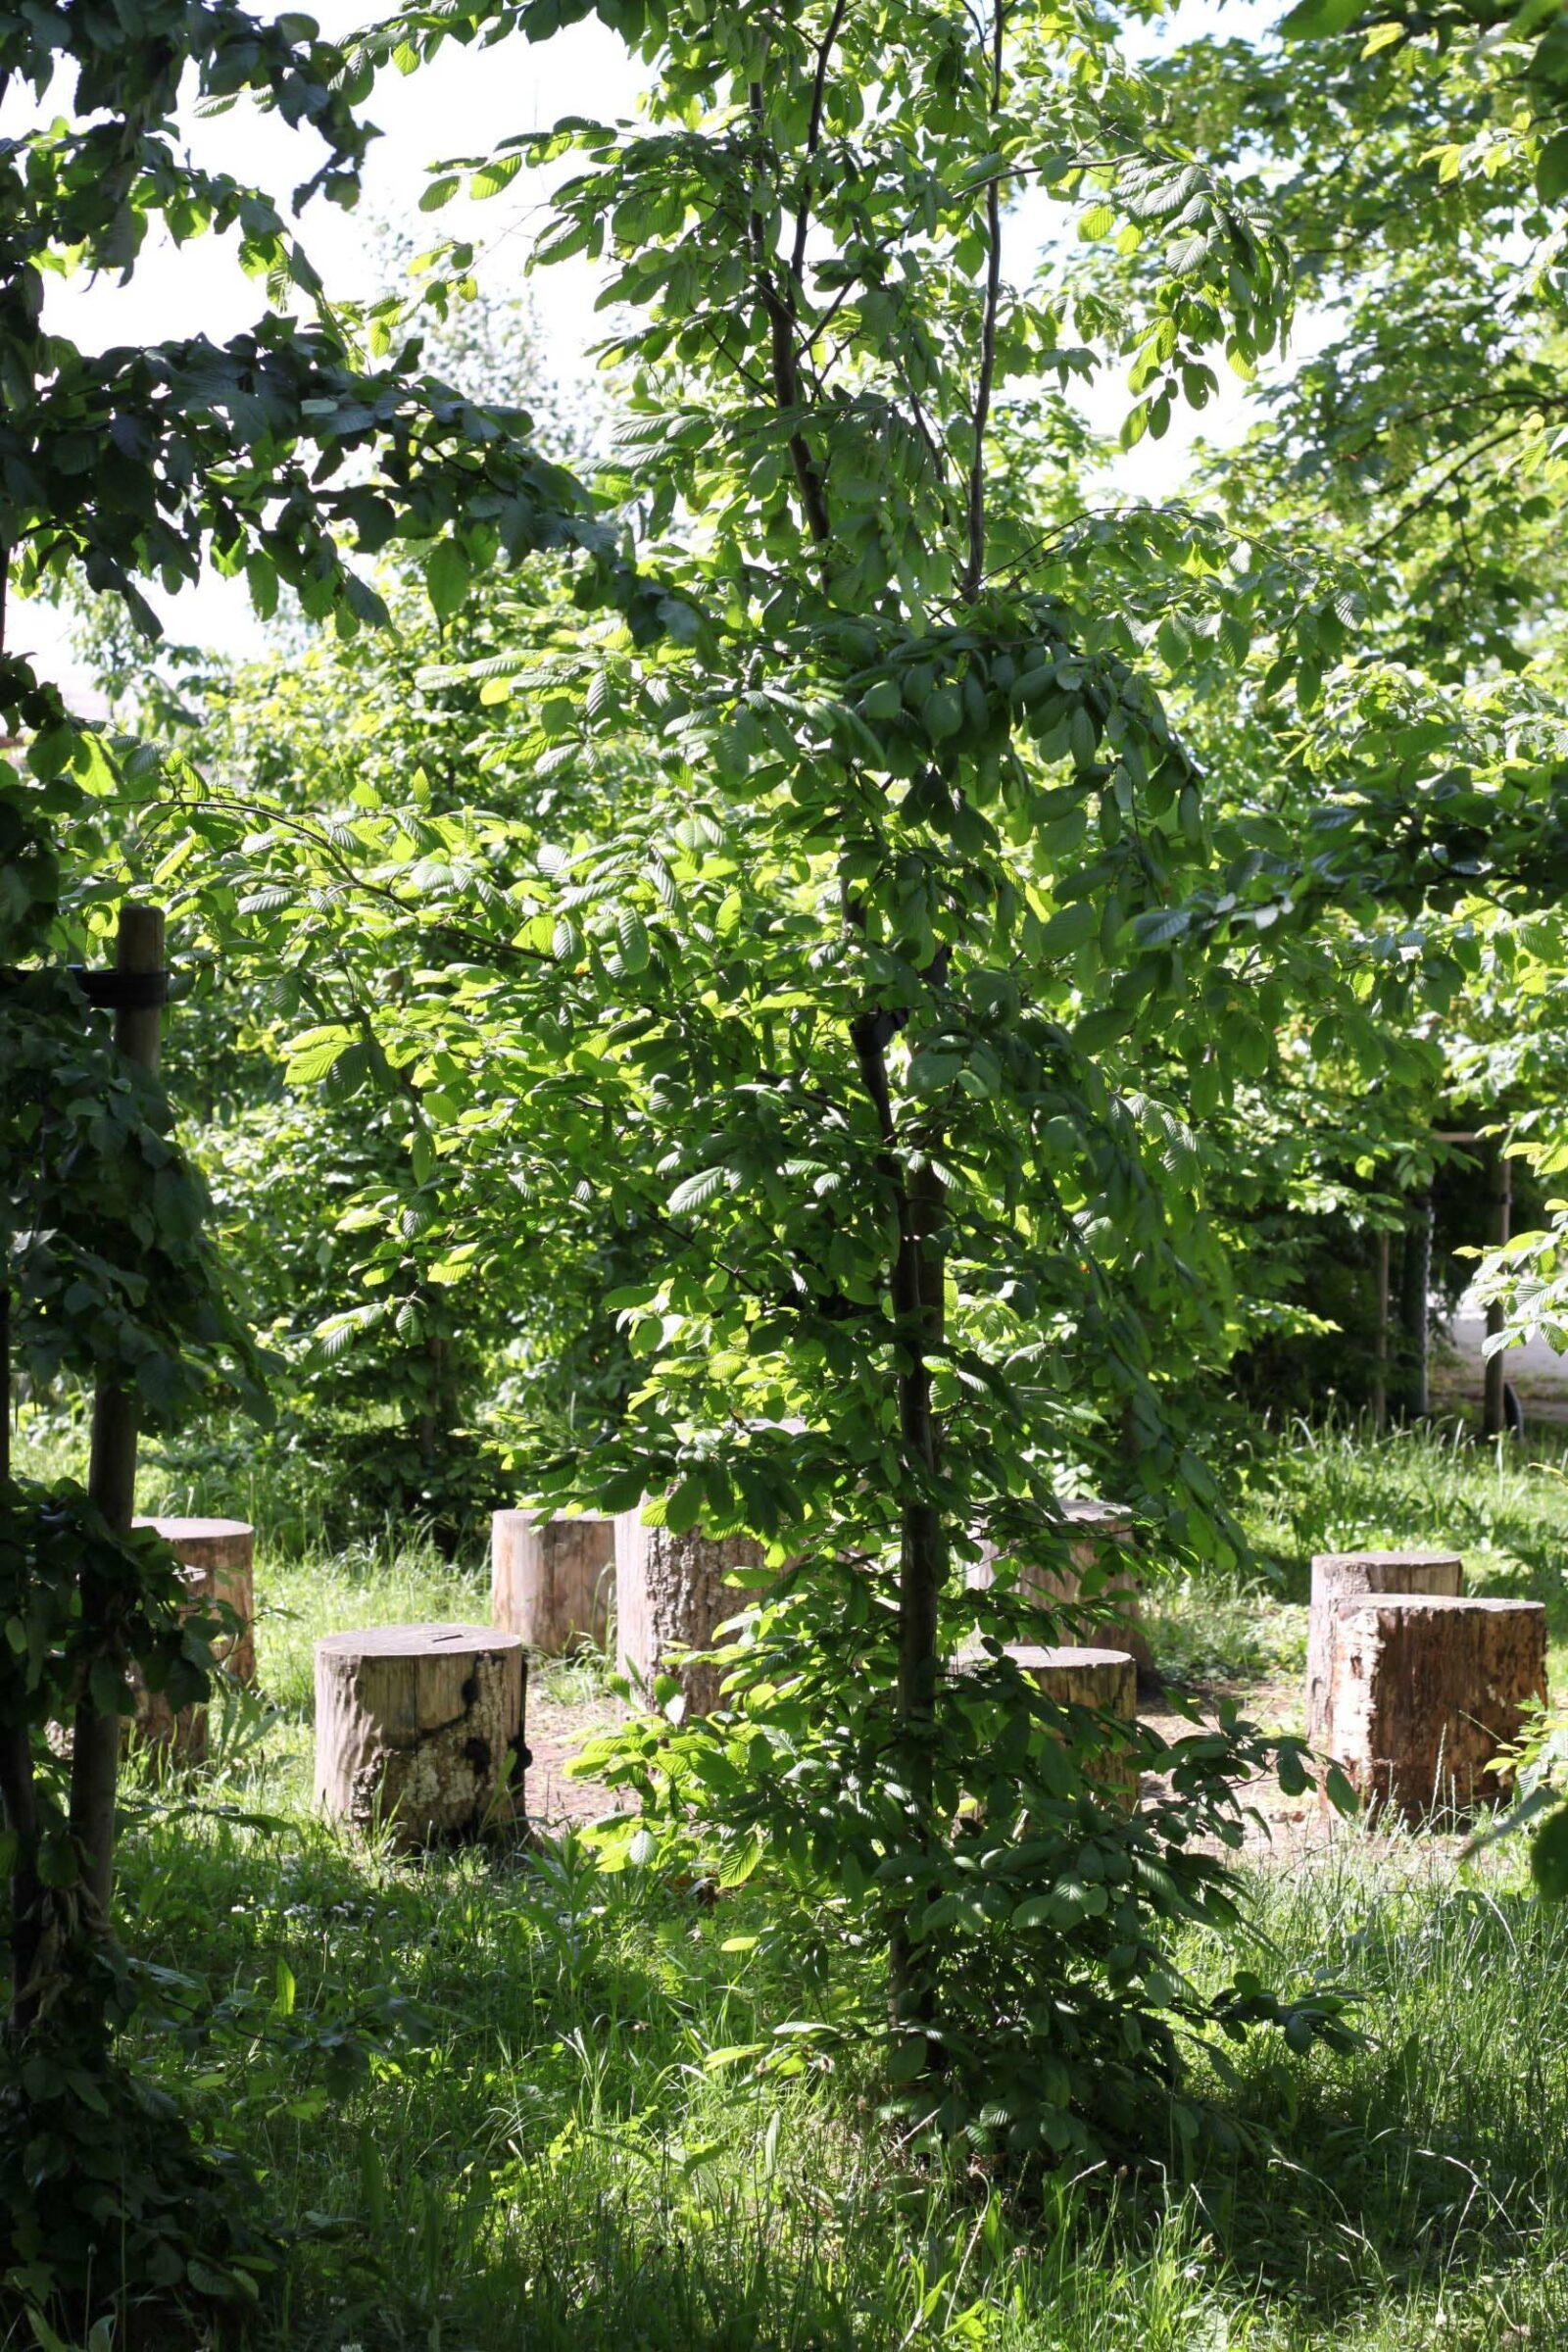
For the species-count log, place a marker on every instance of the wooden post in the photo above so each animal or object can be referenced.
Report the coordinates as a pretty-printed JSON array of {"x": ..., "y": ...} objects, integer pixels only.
[
  {"x": 112, "y": 1465},
  {"x": 421, "y": 1728},
  {"x": 1494, "y": 1404}
]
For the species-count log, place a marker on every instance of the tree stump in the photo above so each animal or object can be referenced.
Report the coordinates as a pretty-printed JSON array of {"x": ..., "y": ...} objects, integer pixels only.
[
  {"x": 550, "y": 1580},
  {"x": 218, "y": 1559},
  {"x": 670, "y": 1596},
  {"x": 1095, "y": 1529},
  {"x": 1106, "y": 1679},
  {"x": 420, "y": 1727},
  {"x": 1422, "y": 1690},
  {"x": 1350, "y": 1575}
]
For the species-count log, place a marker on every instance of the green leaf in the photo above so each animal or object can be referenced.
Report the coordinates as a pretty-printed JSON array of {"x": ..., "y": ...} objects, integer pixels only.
[
  {"x": 633, "y": 935},
  {"x": 1551, "y": 170},
  {"x": 1548, "y": 1858},
  {"x": 447, "y": 576},
  {"x": 1317, "y": 19}
]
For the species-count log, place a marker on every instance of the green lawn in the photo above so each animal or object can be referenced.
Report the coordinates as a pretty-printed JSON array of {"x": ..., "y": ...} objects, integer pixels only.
[{"x": 539, "y": 2153}]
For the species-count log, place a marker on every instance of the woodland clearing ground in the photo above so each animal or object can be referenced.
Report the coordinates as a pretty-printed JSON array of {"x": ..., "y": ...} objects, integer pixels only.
[{"x": 553, "y": 2160}]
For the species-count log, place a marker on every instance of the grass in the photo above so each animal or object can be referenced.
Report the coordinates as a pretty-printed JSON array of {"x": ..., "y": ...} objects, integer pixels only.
[{"x": 546, "y": 2155}]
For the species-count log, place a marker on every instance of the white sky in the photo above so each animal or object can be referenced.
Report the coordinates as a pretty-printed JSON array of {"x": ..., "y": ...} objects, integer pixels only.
[{"x": 463, "y": 103}]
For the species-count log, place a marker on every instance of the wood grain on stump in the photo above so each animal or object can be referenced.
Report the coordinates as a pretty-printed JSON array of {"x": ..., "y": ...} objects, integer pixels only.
[
  {"x": 1101, "y": 1534},
  {"x": 1348, "y": 1576},
  {"x": 217, "y": 1559},
  {"x": 670, "y": 1596},
  {"x": 420, "y": 1727},
  {"x": 1424, "y": 1690},
  {"x": 550, "y": 1580}
]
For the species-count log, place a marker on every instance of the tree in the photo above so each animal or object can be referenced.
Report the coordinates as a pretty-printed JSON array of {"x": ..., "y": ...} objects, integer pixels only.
[
  {"x": 904, "y": 885},
  {"x": 281, "y": 455}
]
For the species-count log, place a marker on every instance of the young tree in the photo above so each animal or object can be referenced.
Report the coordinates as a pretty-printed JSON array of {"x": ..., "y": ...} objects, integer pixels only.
[{"x": 852, "y": 1007}]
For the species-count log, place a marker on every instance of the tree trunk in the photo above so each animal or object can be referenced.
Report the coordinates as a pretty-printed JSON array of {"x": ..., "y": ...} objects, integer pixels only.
[
  {"x": 112, "y": 1479},
  {"x": 18, "y": 1798},
  {"x": 419, "y": 1729},
  {"x": 915, "y": 1285},
  {"x": 1499, "y": 1189},
  {"x": 1104, "y": 1680},
  {"x": 1379, "y": 1344}
]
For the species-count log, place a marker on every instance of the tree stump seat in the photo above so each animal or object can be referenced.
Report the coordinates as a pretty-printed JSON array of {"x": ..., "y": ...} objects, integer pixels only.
[
  {"x": 1350, "y": 1575},
  {"x": 1420, "y": 1691},
  {"x": 1099, "y": 1537},
  {"x": 550, "y": 1580},
  {"x": 217, "y": 1559},
  {"x": 1078, "y": 1676},
  {"x": 672, "y": 1593},
  {"x": 421, "y": 1728}
]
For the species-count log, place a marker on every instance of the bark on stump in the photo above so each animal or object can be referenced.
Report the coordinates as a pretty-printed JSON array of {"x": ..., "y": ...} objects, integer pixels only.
[
  {"x": 550, "y": 1580},
  {"x": 670, "y": 1596},
  {"x": 420, "y": 1727},
  {"x": 1422, "y": 1692},
  {"x": 218, "y": 1559},
  {"x": 1351, "y": 1575},
  {"x": 1096, "y": 1528}
]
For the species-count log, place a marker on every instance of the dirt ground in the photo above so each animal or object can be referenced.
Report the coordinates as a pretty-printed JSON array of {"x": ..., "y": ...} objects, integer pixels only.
[{"x": 1279, "y": 1828}]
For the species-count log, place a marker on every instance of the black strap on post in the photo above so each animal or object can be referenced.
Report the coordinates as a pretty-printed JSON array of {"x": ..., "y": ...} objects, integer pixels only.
[{"x": 121, "y": 992}]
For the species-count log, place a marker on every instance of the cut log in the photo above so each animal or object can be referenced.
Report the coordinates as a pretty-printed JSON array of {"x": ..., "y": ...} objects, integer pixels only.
[
  {"x": 1106, "y": 1679},
  {"x": 1100, "y": 1535},
  {"x": 550, "y": 1580},
  {"x": 1351, "y": 1575},
  {"x": 671, "y": 1593},
  {"x": 217, "y": 1557},
  {"x": 1081, "y": 1677},
  {"x": 1422, "y": 1692},
  {"x": 420, "y": 1727}
]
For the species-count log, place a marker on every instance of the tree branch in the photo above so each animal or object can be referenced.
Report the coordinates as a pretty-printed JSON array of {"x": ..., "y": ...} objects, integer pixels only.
[{"x": 974, "y": 568}]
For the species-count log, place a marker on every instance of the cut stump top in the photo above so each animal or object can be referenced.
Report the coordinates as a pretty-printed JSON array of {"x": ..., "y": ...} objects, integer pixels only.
[
  {"x": 1388, "y": 1560},
  {"x": 197, "y": 1531},
  {"x": 1425, "y": 1604},
  {"x": 1033, "y": 1660},
  {"x": 1089, "y": 1511},
  {"x": 417, "y": 1641}
]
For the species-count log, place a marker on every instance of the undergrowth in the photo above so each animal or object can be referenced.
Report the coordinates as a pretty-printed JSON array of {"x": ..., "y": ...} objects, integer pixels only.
[{"x": 547, "y": 2146}]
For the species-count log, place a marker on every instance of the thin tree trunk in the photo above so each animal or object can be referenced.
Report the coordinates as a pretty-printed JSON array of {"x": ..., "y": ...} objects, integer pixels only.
[
  {"x": 19, "y": 1796},
  {"x": 17, "y": 1790},
  {"x": 1415, "y": 1292},
  {"x": 112, "y": 1479},
  {"x": 916, "y": 1280},
  {"x": 1380, "y": 1351},
  {"x": 1493, "y": 1405}
]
